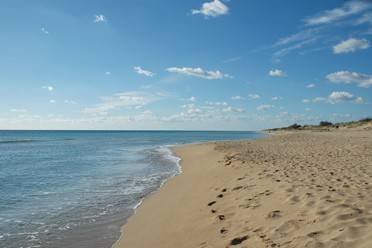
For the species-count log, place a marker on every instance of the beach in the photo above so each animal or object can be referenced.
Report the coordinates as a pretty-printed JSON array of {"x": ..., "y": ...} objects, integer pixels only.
[
  {"x": 293, "y": 189},
  {"x": 59, "y": 189}
]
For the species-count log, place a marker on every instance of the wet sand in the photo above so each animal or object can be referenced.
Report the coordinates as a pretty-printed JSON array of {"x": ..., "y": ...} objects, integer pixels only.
[{"x": 294, "y": 189}]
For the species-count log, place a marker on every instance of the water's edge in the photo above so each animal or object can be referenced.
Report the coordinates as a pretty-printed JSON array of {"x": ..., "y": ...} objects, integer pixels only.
[
  {"x": 178, "y": 161},
  {"x": 179, "y": 165}
]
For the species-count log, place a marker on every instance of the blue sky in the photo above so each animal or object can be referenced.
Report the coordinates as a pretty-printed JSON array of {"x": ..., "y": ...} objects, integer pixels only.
[{"x": 197, "y": 64}]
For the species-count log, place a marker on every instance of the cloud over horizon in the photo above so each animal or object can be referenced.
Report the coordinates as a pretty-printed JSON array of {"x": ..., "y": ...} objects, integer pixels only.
[
  {"x": 133, "y": 99},
  {"x": 337, "y": 97},
  {"x": 199, "y": 72}
]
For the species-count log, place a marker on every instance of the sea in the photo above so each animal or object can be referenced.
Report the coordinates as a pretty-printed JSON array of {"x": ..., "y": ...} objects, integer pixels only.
[{"x": 77, "y": 188}]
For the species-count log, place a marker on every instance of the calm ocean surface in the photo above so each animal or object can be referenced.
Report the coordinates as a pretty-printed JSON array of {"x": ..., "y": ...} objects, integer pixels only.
[{"x": 77, "y": 188}]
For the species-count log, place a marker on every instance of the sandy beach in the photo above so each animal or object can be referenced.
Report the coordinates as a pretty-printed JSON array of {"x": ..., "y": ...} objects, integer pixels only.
[{"x": 293, "y": 189}]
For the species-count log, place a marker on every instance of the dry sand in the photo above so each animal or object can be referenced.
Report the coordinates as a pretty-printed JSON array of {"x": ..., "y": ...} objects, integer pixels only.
[{"x": 301, "y": 189}]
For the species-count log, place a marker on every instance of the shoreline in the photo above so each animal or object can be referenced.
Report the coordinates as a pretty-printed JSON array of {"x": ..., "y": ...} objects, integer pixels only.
[
  {"x": 177, "y": 151},
  {"x": 173, "y": 154},
  {"x": 179, "y": 168},
  {"x": 246, "y": 193}
]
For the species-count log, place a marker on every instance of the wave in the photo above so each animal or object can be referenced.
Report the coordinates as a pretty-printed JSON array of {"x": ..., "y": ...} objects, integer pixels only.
[{"x": 167, "y": 153}]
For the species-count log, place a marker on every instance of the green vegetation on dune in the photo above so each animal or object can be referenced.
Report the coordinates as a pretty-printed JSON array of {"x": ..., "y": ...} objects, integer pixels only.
[{"x": 326, "y": 125}]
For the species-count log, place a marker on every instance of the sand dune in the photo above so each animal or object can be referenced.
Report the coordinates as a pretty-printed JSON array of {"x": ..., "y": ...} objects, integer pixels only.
[{"x": 300, "y": 189}]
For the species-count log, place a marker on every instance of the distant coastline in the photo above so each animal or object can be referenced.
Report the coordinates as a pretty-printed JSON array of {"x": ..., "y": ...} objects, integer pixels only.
[{"x": 326, "y": 125}]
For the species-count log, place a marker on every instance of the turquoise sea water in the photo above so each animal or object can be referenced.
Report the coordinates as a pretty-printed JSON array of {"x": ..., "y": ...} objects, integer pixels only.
[{"x": 77, "y": 188}]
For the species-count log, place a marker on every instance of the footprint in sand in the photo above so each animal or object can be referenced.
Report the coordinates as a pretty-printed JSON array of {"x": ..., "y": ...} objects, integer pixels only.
[
  {"x": 221, "y": 217},
  {"x": 314, "y": 234},
  {"x": 274, "y": 214},
  {"x": 238, "y": 240}
]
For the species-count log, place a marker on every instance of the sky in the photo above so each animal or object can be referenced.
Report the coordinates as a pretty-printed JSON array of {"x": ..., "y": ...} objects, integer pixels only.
[{"x": 183, "y": 65}]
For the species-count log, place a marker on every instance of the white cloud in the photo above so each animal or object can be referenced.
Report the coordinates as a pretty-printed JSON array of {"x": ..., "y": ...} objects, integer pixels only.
[
  {"x": 319, "y": 99},
  {"x": 276, "y": 98},
  {"x": 48, "y": 87},
  {"x": 188, "y": 105},
  {"x": 232, "y": 109},
  {"x": 121, "y": 100},
  {"x": 315, "y": 100},
  {"x": 340, "y": 96},
  {"x": 193, "y": 110},
  {"x": 44, "y": 30},
  {"x": 216, "y": 103},
  {"x": 142, "y": 71},
  {"x": 310, "y": 36},
  {"x": 191, "y": 113},
  {"x": 52, "y": 101},
  {"x": 18, "y": 110},
  {"x": 359, "y": 100},
  {"x": 69, "y": 101},
  {"x": 336, "y": 97},
  {"x": 237, "y": 98},
  {"x": 348, "y": 9},
  {"x": 192, "y": 99},
  {"x": 199, "y": 72},
  {"x": 296, "y": 41},
  {"x": 211, "y": 111},
  {"x": 298, "y": 37},
  {"x": 296, "y": 46},
  {"x": 254, "y": 96},
  {"x": 309, "y": 86},
  {"x": 108, "y": 73},
  {"x": 145, "y": 116},
  {"x": 212, "y": 9},
  {"x": 99, "y": 18},
  {"x": 264, "y": 107},
  {"x": 350, "y": 45},
  {"x": 347, "y": 77},
  {"x": 277, "y": 73}
]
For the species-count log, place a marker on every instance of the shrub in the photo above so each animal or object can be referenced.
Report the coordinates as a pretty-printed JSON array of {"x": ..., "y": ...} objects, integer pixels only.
[
  {"x": 366, "y": 119},
  {"x": 325, "y": 124},
  {"x": 295, "y": 126}
]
